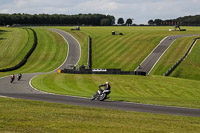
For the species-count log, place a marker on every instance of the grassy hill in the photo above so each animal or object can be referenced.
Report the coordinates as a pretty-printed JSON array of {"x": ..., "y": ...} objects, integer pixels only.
[
  {"x": 49, "y": 54},
  {"x": 128, "y": 51},
  {"x": 118, "y": 51},
  {"x": 14, "y": 44}
]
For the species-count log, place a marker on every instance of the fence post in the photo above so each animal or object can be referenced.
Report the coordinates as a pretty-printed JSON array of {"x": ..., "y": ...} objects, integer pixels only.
[{"x": 89, "y": 63}]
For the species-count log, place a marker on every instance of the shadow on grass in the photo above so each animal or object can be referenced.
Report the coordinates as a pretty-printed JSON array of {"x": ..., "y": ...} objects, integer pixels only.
[{"x": 3, "y": 31}]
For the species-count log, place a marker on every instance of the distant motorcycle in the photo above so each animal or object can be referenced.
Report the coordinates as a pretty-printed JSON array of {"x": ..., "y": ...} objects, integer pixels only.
[
  {"x": 12, "y": 77},
  {"x": 19, "y": 76},
  {"x": 100, "y": 95}
]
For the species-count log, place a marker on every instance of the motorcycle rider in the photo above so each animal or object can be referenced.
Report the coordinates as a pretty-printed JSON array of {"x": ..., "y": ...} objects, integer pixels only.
[
  {"x": 106, "y": 89},
  {"x": 12, "y": 78},
  {"x": 19, "y": 76}
]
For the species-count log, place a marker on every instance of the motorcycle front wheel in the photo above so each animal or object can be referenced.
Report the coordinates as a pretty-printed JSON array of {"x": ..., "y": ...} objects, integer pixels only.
[{"x": 94, "y": 96}]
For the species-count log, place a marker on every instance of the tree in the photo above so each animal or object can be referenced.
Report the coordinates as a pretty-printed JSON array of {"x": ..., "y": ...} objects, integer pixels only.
[
  {"x": 54, "y": 19},
  {"x": 120, "y": 21},
  {"x": 150, "y": 22},
  {"x": 157, "y": 21},
  {"x": 129, "y": 21},
  {"x": 112, "y": 19},
  {"x": 105, "y": 22}
]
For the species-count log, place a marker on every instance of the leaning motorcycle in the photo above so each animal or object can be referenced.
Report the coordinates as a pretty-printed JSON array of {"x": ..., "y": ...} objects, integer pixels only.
[
  {"x": 19, "y": 77},
  {"x": 100, "y": 95}
]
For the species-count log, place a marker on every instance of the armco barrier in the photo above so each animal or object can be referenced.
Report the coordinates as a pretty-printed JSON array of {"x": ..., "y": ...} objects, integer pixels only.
[
  {"x": 26, "y": 57},
  {"x": 179, "y": 61},
  {"x": 102, "y": 71}
]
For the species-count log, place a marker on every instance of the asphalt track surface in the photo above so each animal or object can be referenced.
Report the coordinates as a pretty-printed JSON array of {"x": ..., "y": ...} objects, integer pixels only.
[
  {"x": 23, "y": 90},
  {"x": 151, "y": 60}
]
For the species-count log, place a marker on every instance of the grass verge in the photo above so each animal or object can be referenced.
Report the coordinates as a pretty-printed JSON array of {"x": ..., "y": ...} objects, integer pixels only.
[{"x": 44, "y": 117}]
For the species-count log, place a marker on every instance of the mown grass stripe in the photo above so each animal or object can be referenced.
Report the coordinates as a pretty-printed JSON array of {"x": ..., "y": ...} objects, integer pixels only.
[
  {"x": 105, "y": 53},
  {"x": 40, "y": 56},
  {"x": 112, "y": 57},
  {"x": 51, "y": 51},
  {"x": 116, "y": 45},
  {"x": 109, "y": 55},
  {"x": 104, "y": 47}
]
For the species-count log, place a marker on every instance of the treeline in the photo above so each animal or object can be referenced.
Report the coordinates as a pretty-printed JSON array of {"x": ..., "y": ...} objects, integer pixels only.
[
  {"x": 185, "y": 21},
  {"x": 57, "y": 19}
]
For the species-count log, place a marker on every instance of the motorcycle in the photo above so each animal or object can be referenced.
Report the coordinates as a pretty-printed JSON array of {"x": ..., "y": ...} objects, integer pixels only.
[
  {"x": 19, "y": 77},
  {"x": 12, "y": 77},
  {"x": 100, "y": 95}
]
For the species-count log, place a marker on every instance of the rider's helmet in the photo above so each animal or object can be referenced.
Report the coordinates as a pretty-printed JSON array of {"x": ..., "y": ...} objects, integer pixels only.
[{"x": 107, "y": 82}]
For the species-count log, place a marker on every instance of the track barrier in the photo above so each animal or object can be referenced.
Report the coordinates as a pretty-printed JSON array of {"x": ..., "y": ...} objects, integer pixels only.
[{"x": 180, "y": 60}]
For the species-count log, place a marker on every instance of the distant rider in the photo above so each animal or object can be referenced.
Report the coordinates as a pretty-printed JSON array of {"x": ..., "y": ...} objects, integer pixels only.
[
  {"x": 19, "y": 76},
  {"x": 12, "y": 77},
  {"x": 106, "y": 89}
]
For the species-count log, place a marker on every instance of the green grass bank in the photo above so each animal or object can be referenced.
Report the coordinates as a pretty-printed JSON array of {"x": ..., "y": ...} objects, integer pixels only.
[
  {"x": 14, "y": 44},
  {"x": 46, "y": 117},
  {"x": 49, "y": 54}
]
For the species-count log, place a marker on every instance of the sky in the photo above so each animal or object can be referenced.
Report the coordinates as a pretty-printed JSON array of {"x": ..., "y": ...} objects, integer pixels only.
[{"x": 141, "y": 10}]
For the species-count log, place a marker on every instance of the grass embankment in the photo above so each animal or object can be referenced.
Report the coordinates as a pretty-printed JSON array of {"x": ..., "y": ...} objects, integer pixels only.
[
  {"x": 176, "y": 51},
  {"x": 117, "y": 51},
  {"x": 149, "y": 90},
  {"x": 49, "y": 54},
  {"x": 35, "y": 116},
  {"x": 190, "y": 67},
  {"x": 14, "y": 45}
]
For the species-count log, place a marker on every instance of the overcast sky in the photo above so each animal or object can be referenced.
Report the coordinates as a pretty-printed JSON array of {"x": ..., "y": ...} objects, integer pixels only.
[{"x": 140, "y": 10}]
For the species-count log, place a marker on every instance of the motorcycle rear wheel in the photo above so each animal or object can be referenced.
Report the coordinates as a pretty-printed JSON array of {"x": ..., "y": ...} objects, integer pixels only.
[{"x": 102, "y": 97}]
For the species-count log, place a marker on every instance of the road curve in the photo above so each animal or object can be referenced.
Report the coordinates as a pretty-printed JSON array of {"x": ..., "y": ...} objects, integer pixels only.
[
  {"x": 74, "y": 49},
  {"x": 23, "y": 90},
  {"x": 151, "y": 60}
]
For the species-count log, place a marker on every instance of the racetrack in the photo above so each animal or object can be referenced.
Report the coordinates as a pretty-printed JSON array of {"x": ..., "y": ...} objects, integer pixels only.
[{"x": 23, "y": 89}]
